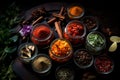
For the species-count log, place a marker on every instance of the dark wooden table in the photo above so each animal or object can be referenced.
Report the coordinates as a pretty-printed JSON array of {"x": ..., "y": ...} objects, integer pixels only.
[{"x": 106, "y": 17}]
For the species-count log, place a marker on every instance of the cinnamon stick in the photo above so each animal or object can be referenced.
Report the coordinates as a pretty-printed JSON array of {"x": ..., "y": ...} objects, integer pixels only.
[
  {"x": 59, "y": 29},
  {"x": 54, "y": 18},
  {"x": 34, "y": 22}
]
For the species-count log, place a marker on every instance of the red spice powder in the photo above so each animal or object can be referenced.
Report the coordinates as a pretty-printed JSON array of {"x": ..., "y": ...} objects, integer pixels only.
[{"x": 41, "y": 32}]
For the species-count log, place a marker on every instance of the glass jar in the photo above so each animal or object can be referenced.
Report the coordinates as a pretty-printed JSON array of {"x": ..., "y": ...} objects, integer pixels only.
[
  {"x": 42, "y": 35},
  {"x": 104, "y": 64},
  {"x": 75, "y": 32},
  {"x": 60, "y": 50},
  {"x": 27, "y": 52},
  {"x": 83, "y": 59},
  {"x": 95, "y": 42},
  {"x": 91, "y": 22},
  {"x": 41, "y": 64},
  {"x": 65, "y": 72}
]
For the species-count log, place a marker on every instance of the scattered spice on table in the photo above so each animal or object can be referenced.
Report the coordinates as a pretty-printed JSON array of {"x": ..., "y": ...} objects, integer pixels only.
[{"x": 89, "y": 76}]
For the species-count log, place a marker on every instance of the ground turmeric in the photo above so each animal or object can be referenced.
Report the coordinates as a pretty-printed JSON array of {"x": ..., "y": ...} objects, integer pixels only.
[{"x": 75, "y": 11}]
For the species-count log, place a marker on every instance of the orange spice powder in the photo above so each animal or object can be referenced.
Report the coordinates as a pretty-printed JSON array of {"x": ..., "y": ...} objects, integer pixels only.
[{"x": 75, "y": 11}]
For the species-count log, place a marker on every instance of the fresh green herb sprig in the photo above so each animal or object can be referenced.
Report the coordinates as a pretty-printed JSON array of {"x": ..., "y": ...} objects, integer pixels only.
[
  {"x": 7, "y": 73},
  {"x": 8, "y": 20}
]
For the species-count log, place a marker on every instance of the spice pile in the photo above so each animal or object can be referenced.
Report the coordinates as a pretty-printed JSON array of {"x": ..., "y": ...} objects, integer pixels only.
[
  {"x": 41, "y": 64},
  {"x": 103, "y": 64},
  {"x": 75, "y": 12},
  {"x": 91, "y": 22},
  {"x": 83, "y": 59},
  {"x": 61, "y": 48},
  {"x": 41, "y": 35},
  {"x": 75, "y": 29},
  {"x": 89, "y": 76},
  {"x": 75, "y": 32},
  {"x": 95, "y": 40},
  {"x": 27, "y": 51},
  {"x": 64, "y": 74}
]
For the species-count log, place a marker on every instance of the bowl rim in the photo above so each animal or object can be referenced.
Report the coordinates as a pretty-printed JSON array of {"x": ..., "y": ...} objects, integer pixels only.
[
  {"x": 101, "y": 47},
  {"x": 107, "y": 58},
  {"x": 39, "y": 25},
  {"x": 76, "y": 17},
  {"x": 83, "y": 66},
  {"x": 95, "y": 19},
  {"x": 42, "y": 55},
  {"x": 79, "y": 22},
  {"x": 22, "y": 46},
  {"x": 71, "y": 51},
  {"x": 65, "y": 67}
]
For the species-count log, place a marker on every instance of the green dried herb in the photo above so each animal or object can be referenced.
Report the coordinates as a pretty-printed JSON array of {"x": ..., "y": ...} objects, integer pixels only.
[{"x": 95, "y": 40}]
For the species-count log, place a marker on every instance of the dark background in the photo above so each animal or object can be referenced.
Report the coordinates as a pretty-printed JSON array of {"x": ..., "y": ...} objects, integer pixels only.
[{"x": 109, "y": 9}]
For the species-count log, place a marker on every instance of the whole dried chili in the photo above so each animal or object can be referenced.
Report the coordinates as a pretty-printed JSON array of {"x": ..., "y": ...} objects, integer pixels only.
[{"x": 75, "y": 32}]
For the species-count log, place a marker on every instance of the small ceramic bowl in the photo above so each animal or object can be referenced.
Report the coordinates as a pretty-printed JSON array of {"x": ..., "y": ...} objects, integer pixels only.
[
  {"x": 103, "y": 64},
  {"x": 83, "y": 59}
]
